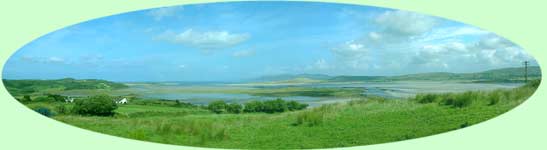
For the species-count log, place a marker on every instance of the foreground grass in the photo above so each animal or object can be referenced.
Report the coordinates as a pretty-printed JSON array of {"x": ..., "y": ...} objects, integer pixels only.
[{"x": 359, "y": 122}]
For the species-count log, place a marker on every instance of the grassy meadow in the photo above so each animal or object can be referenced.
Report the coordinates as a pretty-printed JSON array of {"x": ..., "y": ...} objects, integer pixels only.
[{"x": 362, "y": 121}]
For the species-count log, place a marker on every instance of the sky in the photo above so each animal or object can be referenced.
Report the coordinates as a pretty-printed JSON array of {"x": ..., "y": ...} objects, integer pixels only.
[{"x": 244, "y": 40}]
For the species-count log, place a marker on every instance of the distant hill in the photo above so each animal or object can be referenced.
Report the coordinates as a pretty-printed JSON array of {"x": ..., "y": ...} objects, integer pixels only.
[
  {"x": 18, "y": 87},
  {"x": 290, "y": 77},
  {"x": 496, "y": 75}
]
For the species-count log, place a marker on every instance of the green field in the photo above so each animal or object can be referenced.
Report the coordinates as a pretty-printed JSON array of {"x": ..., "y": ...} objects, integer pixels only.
[{"x": 368, "y": 120}]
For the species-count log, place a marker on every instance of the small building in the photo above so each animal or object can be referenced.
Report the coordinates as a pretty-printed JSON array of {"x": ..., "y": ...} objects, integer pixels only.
[
  {"x": 122, "y": 101},
  {"x": 69, "y": 99}
]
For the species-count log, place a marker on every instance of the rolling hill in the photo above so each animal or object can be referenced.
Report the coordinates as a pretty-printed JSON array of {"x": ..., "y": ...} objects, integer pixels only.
[
  {"x": 17, "y": 87},
  {"x": 290, "y": 77},
  {"x": 495, "y": 75}
]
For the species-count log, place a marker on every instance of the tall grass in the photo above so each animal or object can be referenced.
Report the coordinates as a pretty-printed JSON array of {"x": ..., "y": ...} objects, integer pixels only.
[
  {"x": 358, "y": 122},
  {"x": 490, "y": 98}
]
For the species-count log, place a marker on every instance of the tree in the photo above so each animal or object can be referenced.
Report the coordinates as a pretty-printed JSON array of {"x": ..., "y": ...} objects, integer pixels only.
[
  {"x": 217, "y": 106},
  {"x": 44, "y": 99},
  {"x": 99, "y": 105},
  {"x": 57, "y": 97},
  {"x": 253, "y": 106},
  {"x": 274, "y": 106},
  {"x": 294, "y": 105},
  {"x": 27, "y": 98},
  {"x": 234, "y": 108}
]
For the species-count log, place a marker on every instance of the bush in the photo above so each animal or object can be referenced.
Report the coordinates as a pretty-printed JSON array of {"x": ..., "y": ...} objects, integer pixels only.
[
  {"x": 459, "y": 100},
  {"x": 465, "y": 99},
  {"x": 294, "y": 105},
  {"x": 44, "y": 111},
  {"x": 309, "y": 118},
  {"x": 100, "y": 105},
  {"x": 25, "y": 99},
  {"x": 217, "y": 107},
  {"x": 57, "y": 97},
  {"x": 493, "y": 98},
  {"x": 426, "y": 98},
  {"x": 234, "y": 108},
  {"x": 274, "y": 106},
  {"x": 449, "y": 100},
  {"x": 44, "y": 99},
  {"x": 61, "y": 109},
  {"x": 253, "y": 106}
]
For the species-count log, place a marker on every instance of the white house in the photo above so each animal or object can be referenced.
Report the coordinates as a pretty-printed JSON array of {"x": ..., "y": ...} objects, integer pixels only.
[
  {"x": 69, "y": 99},
  {"x": 123, "y": 101}
]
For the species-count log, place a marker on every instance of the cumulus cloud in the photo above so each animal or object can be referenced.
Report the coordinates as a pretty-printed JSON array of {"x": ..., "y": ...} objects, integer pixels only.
[
  {"x": 490, "y": 51},
  {"x": 411, "y": 42},
  {"x": 352, "y": 53},
  {"x": 244, "y": 53},
  {"x": 207, "y": 41},
  {"x": 451, "y": 32},
  {"x": 394, "y": 30},
  {"x": 164, "y": 12},
  {"x": 404, "y": 24}
]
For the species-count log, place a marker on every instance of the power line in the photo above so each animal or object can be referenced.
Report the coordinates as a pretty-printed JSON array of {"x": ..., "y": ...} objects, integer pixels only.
[{"x": 526, "y": 71}]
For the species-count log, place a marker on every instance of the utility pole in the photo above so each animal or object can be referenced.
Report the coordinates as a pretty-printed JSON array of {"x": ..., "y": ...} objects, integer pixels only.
[{"x": 526, "y": 71}]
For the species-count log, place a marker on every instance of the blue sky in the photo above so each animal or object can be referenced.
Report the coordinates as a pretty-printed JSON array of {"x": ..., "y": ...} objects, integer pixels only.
[{"x": 244, "y": 40}]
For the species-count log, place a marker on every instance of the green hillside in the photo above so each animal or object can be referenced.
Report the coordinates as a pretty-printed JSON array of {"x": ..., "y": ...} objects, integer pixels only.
[
  {"x": 20, "y": 87},
  {"x": 496, "y": 75},
  {"x": 287, "y": 77}
]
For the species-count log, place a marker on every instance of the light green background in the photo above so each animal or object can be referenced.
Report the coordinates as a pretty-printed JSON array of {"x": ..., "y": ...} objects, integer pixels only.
[{"x": 522, "y": 22}]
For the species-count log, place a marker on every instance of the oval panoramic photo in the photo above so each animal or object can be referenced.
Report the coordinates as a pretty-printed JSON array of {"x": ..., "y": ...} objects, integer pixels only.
[{"x": 271, "y": 75}]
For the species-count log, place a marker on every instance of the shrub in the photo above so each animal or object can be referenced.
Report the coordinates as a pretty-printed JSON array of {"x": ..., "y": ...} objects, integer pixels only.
[
  {"x": 25, "y": 99},
  {"x": 309, "y": 118},
  {"x": 294, "y": 105},
  {"x": 234, "y": 108},
  {"x": 44, "y": 111},
  {"x": 177, "y": 103},
  {"x": 253, "y": 106},
  {"x": 533, "y": 83},
  {"x": 274, "y": 106},
  {"x": 44, "y": 99},
  {"x": 100, "y": 105},
  {"x": 493, "y": 98},
  {"x": 459, "y": 100},
  {"x": 465, "y": 99},
  {"x": 217, "y": 107},
  {"x": 426, "y": 98},
  {"x": 463, "y": 125},
  {"x": 56, "y": 97},
  {"x": 449, "y": 100},
  {"x": 61, "y": 109}
]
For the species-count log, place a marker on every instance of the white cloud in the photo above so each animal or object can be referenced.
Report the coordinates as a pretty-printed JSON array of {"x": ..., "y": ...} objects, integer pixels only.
[
  {"x": 494, "y": 42},
  {"x": 404, "y": 23},
  {"x": 49, "y": 60},
  {"x": 55, "y": 60},
  {"x": 489, "y": 52},
  {"x": 164, "y": 12},
  {"x": 412, "y": 42},
  {"x": 447, "y": 33},
  {"x": 353, "y": 54},
  {"x": 374, "y": 36},
  {"x": 207, "y": 41},
  {"x": 319, "y": 65},
  {"x": 244, "y": 53}
]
